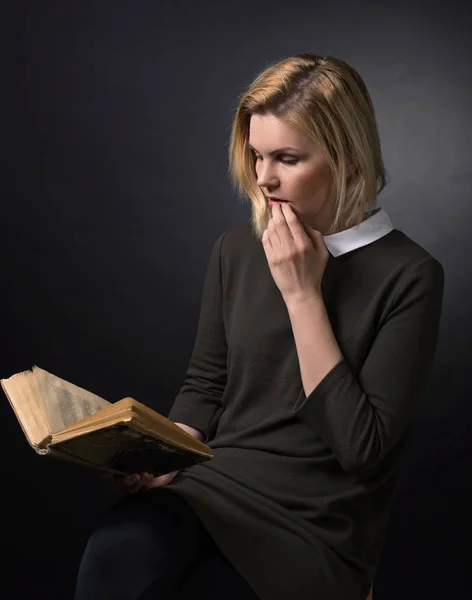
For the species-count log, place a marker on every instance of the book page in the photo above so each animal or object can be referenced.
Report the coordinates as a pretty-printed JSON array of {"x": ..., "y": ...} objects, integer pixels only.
[
  {"x": 65, "y": 403},
  {"x": 24, "y": 396}
]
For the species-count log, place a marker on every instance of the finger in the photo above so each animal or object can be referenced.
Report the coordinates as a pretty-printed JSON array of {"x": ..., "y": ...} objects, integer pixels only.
[
  {"x": 275, "y": 222},
  {"x": 318, "y": 242},
  {"x": 130, "y": 483},
  {"x": 281, "y": 224},
  {"x": 277, "y": 214},
  {"x": 157, "y": 482},
  {"x": 144, "y": 482},
  {"x": 132, "y": 479},
  {"x": 163, "y": 479},
  {"x": 294, "y": 224},
  {"x": 267, "y": 243},
  {"x": 146, "y": 479}
]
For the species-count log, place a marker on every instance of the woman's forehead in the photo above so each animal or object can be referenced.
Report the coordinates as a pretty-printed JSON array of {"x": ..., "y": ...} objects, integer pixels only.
[{"x": 268, "y": 133}]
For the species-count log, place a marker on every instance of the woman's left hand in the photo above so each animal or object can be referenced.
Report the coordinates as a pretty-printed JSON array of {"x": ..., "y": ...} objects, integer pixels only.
[{"x": 296, "y": 253}]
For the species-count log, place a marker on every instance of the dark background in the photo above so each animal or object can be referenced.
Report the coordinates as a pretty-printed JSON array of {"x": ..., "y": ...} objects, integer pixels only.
[{"x": 115, "y": 126}]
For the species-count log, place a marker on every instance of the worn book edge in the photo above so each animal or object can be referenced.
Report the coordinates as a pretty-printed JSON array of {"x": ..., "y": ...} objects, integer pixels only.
[
  {"x": 30, "y": 412},
  {"x": 136, "y": 416}
]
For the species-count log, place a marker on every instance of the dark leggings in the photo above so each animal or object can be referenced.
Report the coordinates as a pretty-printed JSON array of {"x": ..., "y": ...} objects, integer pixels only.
[{"x": 152, "y": 546}]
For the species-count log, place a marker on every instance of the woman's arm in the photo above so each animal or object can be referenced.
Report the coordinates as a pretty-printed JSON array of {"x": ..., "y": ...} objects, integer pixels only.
[
  {"x": 192, "y": 431},
  {"x": 362, "y": 415},
  {"x": 199, "y": 402}
]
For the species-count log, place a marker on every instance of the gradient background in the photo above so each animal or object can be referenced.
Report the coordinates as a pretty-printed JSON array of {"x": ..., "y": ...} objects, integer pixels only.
[{"x": 115, "y": 126}]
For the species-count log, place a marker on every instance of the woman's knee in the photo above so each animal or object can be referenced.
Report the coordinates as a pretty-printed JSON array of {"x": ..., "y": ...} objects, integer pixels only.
[
  {"x": 142, "y": 534},
  {"x": 112, "y": 546}
]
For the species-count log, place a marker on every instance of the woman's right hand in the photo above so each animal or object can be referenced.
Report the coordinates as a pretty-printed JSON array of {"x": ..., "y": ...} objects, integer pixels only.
[
  {"x": 145, "y": 481},
  {"x": 130, "y": 484}
]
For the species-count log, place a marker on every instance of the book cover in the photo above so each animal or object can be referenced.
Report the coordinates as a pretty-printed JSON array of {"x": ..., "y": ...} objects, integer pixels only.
[{"x": 122, "y": 449}]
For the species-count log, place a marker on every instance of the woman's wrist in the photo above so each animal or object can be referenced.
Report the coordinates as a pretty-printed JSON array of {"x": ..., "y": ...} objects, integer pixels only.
[{"x": 196, "y": 433}]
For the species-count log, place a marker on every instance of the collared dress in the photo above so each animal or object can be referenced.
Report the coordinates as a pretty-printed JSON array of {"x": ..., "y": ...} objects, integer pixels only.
[{"x": 299, "y": 491}]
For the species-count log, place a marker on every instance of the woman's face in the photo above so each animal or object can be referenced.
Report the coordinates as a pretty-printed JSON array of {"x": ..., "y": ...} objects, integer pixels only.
[{"x": 300, "y": 175}]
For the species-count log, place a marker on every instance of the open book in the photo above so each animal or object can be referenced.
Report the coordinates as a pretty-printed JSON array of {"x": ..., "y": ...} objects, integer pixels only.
[{"x": 63, "y": 420}]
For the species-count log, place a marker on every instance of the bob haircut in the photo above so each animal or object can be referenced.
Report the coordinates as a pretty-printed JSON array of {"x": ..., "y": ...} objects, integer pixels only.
[{"x": 327, "y": 100}]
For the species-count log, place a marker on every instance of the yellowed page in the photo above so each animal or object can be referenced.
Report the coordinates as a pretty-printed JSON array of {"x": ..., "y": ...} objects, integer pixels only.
[
  {"x": 24, "y": 396},
  {"x": 64, "y": 402}
]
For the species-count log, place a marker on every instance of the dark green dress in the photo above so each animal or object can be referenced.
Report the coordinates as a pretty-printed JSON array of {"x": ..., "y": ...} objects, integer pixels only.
[{"x": 299, "y": 492}]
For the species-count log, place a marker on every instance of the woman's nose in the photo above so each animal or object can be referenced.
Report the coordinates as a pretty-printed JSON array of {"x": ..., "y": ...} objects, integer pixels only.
[{"x": 266, "y": 176}]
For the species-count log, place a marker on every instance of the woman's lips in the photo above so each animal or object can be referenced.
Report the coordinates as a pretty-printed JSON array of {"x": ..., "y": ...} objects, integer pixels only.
[{"x": 272, "y": 202}]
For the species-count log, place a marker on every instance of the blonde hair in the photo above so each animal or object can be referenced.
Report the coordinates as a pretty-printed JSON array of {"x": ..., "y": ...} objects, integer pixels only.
[{"x": 328, "y": 101}]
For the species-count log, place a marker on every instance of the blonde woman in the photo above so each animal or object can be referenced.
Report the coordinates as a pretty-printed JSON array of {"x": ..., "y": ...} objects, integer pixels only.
[{"x": 318, "y": 327}]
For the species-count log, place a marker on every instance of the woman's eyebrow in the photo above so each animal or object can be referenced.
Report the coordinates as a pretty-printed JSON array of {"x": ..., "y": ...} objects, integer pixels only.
[{"x": 284, "y": 149}]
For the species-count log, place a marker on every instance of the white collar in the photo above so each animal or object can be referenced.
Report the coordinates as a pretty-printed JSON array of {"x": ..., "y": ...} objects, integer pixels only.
[{"x": 371, "y": 229}]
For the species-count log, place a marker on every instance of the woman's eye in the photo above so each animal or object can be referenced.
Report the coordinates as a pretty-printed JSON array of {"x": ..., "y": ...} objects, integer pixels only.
[{"x": 287, "y": 161}]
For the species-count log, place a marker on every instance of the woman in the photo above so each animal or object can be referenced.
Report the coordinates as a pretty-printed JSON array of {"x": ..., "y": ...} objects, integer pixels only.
[{"x": 318, "y": 328}]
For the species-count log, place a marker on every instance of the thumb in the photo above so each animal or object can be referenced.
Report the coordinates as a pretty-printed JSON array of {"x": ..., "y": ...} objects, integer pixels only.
[{"x": 162, "y": 479}]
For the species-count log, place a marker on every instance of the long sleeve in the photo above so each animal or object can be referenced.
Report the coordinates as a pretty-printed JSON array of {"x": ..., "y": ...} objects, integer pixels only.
[
  {"x": 199, "y": 401},
  {"x": 360, "y": 418}
]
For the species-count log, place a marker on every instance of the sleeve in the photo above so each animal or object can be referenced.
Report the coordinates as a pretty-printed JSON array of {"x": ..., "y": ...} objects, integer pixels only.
[
  {"x": 362, "y": 418},
  {"x": 199, "y": 401}
]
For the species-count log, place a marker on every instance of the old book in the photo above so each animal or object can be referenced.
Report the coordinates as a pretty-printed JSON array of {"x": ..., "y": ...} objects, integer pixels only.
[{"x": 63, "y": 420}]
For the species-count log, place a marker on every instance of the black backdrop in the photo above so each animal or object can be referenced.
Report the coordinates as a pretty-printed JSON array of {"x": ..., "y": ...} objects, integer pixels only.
[{"x": 115, "y": 128}]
